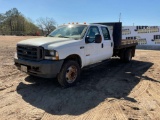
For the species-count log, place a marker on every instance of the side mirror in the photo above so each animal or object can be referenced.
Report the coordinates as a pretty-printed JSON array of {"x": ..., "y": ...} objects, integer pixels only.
[
  {"x": 87, "y": 39},
  {"x": 98, "y": 38}
]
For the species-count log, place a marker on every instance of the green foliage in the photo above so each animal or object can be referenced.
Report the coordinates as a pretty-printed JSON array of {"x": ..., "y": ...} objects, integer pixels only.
[{"x": 14, "y": 23}]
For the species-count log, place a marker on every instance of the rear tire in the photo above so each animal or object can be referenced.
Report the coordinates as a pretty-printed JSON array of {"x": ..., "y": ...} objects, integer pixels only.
[
  {"x": 128, "y": 55},
  {"x": 69, "y": 73},
  {"x": 122, "y": 53}
]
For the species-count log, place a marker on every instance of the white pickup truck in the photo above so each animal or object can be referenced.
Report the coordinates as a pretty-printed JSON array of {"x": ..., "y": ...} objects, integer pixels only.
[{"x": 71, "y": 47}]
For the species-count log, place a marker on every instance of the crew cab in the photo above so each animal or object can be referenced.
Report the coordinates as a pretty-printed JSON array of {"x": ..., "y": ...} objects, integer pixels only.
[{"x": 71, "y": 47}]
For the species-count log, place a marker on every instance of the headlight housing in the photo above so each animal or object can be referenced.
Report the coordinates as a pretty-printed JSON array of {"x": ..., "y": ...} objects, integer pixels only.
[{"x": 51, "y": 55}]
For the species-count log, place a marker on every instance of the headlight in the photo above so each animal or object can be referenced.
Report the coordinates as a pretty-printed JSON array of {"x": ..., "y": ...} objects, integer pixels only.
[{"x": 51, "y": 55}]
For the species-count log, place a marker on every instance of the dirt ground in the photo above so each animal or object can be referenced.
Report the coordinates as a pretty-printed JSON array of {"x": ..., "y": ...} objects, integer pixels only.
[{"x": 109, "y": 91}]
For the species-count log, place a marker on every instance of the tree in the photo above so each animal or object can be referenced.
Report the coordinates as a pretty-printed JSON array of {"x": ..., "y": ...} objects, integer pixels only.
[
  {"x": 46, "y": 24},
  {"x": 2, "y": 18},
  {"x": 14, "y": 23},
  {"x": 30, "y": 28},
  {"x": 12, "y": 12},
  {"x": 11, "y": 17}
]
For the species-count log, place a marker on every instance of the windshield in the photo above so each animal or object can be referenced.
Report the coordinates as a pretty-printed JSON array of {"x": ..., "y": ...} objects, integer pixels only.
[{"x": 70, "y": 31}]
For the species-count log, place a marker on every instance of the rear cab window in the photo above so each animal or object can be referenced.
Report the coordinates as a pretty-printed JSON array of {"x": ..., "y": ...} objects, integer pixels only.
[{"x": 105, "y": 32}]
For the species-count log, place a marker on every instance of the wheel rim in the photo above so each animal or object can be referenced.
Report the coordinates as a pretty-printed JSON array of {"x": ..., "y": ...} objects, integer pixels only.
[{"x": 71, "y": 74}]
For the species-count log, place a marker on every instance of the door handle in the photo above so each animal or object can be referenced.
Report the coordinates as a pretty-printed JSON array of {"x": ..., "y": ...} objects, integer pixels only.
[
  {"x": 82, "y": 47},
  {"x": 111, "y": 44},
  {"x": 102, "y": 45}
]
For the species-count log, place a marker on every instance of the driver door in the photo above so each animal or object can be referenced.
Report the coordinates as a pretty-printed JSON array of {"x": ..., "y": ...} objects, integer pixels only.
[{"x": 92, "y": 49}]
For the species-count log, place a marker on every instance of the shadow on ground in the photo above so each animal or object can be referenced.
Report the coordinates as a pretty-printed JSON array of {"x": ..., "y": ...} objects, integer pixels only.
[{"x": 108, "y": 80}]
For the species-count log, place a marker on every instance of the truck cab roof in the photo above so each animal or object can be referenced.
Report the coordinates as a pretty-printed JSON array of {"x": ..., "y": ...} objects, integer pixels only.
[{"x": 88, "y": 24}]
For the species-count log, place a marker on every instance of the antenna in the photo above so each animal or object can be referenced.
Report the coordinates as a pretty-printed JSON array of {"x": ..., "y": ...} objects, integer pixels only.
[{"x": 120, "y": 17}]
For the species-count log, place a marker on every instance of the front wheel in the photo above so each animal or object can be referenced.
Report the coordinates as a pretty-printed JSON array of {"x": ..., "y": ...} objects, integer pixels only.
[{"x": 69, "y": 74}]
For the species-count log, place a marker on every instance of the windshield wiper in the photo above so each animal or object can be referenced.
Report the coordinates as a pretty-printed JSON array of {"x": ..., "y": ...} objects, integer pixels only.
[
  {"x": 57, "y": 36},
  {"x": 62, "y": 36}
]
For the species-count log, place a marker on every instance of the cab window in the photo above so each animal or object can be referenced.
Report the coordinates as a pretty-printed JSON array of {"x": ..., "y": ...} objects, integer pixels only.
[{"x": 105, "y": 33}]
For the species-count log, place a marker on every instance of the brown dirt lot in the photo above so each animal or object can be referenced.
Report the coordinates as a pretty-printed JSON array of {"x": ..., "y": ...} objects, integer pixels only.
[{"x": 109, "y": 91}]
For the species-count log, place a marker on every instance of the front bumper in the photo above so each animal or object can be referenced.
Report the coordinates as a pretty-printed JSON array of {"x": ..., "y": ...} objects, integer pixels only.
[{"x": 44, "y": 68}]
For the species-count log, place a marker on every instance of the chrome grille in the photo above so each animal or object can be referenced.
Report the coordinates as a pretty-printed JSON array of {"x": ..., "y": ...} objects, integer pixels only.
[{"x": 30, "y": 52}]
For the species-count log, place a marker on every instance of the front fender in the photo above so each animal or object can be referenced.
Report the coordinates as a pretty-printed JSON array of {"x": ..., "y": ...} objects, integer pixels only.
[{"x": 64, "y": 53}]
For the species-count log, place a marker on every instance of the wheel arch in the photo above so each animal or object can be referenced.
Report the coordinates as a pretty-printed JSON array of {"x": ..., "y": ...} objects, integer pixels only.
[{"x": 74, "y": 57}]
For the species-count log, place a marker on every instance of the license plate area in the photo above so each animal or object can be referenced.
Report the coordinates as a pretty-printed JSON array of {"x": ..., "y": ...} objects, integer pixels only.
[{"x": 24, "y": 68}]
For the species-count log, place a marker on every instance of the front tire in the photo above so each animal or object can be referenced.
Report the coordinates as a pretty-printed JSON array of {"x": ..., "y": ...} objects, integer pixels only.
[{"x": 69, "y": 73}]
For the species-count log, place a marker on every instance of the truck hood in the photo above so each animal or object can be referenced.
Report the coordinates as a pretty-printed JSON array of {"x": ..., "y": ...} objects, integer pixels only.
[{"x": 48, "y": 42}]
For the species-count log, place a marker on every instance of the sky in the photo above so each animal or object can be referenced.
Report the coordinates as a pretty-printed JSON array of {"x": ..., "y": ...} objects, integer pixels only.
[{"x": 133, "y": 12}]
